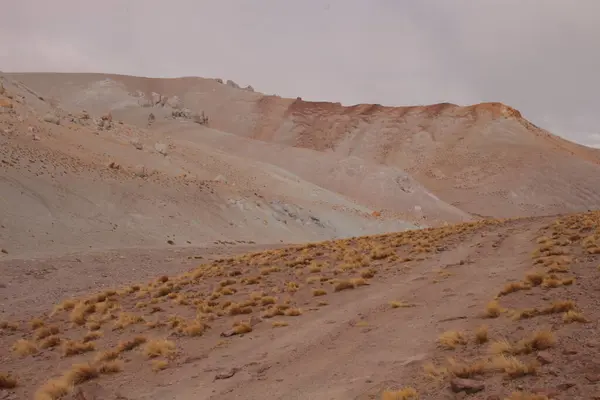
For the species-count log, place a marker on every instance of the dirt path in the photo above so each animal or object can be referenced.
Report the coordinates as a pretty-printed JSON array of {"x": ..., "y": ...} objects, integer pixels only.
[{"x": 358, "y": 343}]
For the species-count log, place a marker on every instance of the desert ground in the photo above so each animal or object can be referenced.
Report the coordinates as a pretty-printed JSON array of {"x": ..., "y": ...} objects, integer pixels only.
[{"x": 192, "y": 239}]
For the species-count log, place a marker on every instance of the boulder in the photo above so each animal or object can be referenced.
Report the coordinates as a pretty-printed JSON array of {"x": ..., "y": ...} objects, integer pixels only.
[
  {"x": 52, "y": 119},
  {"x": 466, "y": 385},
  {"x": 140, "y": 171},
  {"x": 156, "y": 98},
  {"x": 137, "y": 144}
]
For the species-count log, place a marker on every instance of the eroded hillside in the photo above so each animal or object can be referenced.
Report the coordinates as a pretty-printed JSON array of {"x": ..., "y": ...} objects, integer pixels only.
[{"x": 484, "y": 159}]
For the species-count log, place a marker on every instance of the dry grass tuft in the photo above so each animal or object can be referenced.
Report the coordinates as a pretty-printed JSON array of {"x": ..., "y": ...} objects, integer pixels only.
[
  {"x": 535, "y": 278},
  {"x": 279, "y": 324},
  {"x": 24, "y": 347},
  {"x": 111, "y": 367},
  {"x": 400, "y": 304},
  {"x": 80, "y": 373},
  {"x": 131, "y": 344},
  {"x": 93, "y": 335},
  {"x": 159, "y": 347},
  {"x": 7, "y": 381},
  {"x": 493, "y": 309},
  {"x": 71, "y": 347},
  {"x": 513, "y": 367},
  {"x": 343, "y": 285},
  {"x": 36, "y": 323},
  {"x": 464, "y": 370},
  {"x": 574, "y": 316},
  {"x": 481, "y": 334},
  {"x": 159, "y": 365},
  {"x": 402, "y": 394},
  {"x": 293, "y": 312},
  {"x": 514, "y": 287},
  {"x": 50, "y": 342},
  {"x": 45, "y": 331},
  {"x": 107, "y": 355},
  {"x": 242, "y": 328},
  {"x": 53, "y": 389},
  {"x": 196, "y": 328},
  {"x": 451, "y": 339}
]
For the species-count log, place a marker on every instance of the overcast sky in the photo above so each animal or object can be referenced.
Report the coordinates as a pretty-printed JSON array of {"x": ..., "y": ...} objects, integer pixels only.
[{"x": 539, "y": 56}]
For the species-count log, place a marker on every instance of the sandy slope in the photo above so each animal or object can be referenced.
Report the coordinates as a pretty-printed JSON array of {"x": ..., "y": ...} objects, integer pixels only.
[
  {"x": 484, "y": 159},
  {"x": 72, "y": 186}
]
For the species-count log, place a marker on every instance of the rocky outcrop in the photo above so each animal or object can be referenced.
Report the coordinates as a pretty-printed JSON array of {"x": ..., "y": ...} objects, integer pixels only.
[
  {"x": 187, "y": 114},
  {"x": 232, "y": 84}
]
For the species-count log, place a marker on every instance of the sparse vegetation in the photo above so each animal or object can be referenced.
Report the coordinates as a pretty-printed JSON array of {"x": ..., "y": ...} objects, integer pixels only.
[
  {"x": 402, "y": 394},
  {"x": 7, "y": 381},
  {"x": 159, "y": 347},
  {"x": 451, "y": 339}
]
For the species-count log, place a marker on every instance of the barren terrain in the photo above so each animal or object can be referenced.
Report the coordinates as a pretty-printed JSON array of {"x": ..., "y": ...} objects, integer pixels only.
[{"x": 190, "y": 239}]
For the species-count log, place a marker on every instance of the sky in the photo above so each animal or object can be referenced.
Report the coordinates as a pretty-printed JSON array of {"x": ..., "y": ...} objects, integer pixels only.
[{"x": 541, "y": 57}]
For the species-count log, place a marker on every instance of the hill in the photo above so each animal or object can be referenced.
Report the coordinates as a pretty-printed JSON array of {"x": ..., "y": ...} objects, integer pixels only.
[
  {"x": 150, "y": 230},
  {"x": 484, "y": 159}
]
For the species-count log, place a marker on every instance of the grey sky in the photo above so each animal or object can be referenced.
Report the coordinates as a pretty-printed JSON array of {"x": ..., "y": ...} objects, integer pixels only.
[{"x": 539, "y": 56}]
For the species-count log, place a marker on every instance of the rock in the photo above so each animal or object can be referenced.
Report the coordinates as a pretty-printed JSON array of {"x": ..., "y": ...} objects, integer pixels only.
[
  {"x": 219, "y": 80},
  {"x": 156, "y": 98},
  {"x": 220, "y": 178},
  {"x": 2, "y": 90},
  {"x": 144, "y": 102},
  {"x": 227, "y": 374},
  {"x": 52, "y": 119},
  {"x": 36, "y": 138},
  {"x": 544, "y": 357},
  {"x": 107, "y": 117},
  {"x": 174, "y": 102},
  {"x": 114, "y": 165},
  {"x": 4, "y": 251},
  {"x": 593, "y": 378},
  {"x": 151, "y": 118},
  {"x": 200, "y": 118},
  {"x": 565, "y": 385},
  {"x": 140, "y": 171},
  {"x": 249, "y": 88},
  {"x": 137, "y": 144},
  {"x": 466, "y": 385},
  {"x": 232, "y": 84},
  {"x": 161, "y": 148},
  {"x": 183, "y": 113}
]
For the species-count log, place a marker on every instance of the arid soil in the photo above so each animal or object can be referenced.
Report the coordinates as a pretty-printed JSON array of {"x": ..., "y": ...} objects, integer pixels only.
[
  {"x": 506, "y": 306},
  {"x": 189, "y": 239}
]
